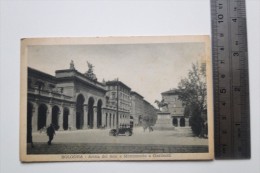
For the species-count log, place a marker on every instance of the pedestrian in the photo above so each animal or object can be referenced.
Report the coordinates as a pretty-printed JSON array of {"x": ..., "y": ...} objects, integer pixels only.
[
  {"x": 150, "y": 129},
  {"x": 50, "y": 133}
]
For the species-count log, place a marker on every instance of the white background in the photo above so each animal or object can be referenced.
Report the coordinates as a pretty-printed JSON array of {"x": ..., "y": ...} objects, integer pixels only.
[{"x": 65, "y": 18}]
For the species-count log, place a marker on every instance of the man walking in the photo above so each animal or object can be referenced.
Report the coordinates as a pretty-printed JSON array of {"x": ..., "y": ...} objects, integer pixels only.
[{"x": 50, "y": 133}]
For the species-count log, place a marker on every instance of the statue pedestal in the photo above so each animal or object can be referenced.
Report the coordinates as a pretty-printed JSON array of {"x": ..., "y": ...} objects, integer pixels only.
[{"x": 164, "y": 121}]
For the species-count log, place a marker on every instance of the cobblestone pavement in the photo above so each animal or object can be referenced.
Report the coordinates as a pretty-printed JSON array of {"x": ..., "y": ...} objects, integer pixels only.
[
  {"x": 98, "y": 141},
  {"x": 61, "y": 148}
]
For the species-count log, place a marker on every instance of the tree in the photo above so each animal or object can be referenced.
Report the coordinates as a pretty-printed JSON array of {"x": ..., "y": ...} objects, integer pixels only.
[{"x": 193, "y": 93}]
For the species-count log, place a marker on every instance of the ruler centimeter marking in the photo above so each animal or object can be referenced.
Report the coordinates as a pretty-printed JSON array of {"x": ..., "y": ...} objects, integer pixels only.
[{"x": 230, "y": 77}]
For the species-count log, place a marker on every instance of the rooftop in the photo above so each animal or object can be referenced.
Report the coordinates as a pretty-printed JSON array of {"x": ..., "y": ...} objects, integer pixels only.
[
  {"x": 135, "y": 93},
  {"x": 171, "y": 92},
  {"x": 74, "y": 74},
  {"x": 32, "y": 71},
  {"x": 115, "y": 82}
]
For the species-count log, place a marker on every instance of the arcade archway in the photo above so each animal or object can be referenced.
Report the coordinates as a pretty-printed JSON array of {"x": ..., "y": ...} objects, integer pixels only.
[
  {"x": 42, "y": 115},
  {"x": 65, "y": 119},
  {"x": 80, "y": 111},
  {"x": 29, "y": 122},
  {"x": 175, "y": 122},
  {"x": 182, "y": 122},
  {"x": 99, "y": 114},
  {"x": 55, "y": 117},
  {"x": 90, "y": 112}
]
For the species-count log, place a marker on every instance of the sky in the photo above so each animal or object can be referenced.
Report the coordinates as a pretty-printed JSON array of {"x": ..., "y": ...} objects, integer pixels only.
[{"x": 148, "y": 69}]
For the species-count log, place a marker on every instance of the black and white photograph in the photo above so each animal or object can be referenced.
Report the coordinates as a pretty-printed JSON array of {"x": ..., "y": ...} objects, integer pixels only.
[{"x": 116, "y": 98}]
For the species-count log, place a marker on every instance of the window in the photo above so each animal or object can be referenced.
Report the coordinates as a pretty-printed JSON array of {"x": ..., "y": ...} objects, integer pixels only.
[{"x": 113, "y": 95}]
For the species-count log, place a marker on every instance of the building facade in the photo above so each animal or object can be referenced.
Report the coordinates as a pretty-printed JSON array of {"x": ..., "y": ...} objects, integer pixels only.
[
  {"x": 118, "y": 98},
  {"x": 175, "y": 108},
  {"x": 150, "y": 114},
  {"x": 137, "y": 107},
  {"x": 71, "y": 100}
]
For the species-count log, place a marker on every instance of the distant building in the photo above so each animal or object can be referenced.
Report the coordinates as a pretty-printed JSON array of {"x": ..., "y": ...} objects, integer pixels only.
[
  {"x": 150, "y": 113},
  {"x": 122, "y": 91},
  {"x": 137, "y": 107},
  {"x": 175, "y": 108}
]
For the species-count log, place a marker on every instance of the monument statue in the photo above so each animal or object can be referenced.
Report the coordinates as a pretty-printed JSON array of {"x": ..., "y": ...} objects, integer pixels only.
[
  {"x": 161, "y": 104},
  {"x": 90, "y": 73},
  {"x": 90, "y": 66},
  {"x": 72, "y": 67},
  {"x": 164, "y": 119}
]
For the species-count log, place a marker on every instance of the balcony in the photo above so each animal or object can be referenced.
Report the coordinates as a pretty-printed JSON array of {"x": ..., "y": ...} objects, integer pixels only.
[{"x": 47, "y": 93}]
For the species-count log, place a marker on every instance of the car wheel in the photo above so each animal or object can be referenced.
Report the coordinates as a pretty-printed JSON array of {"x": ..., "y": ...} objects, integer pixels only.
[{"x": 127, "y": 133}]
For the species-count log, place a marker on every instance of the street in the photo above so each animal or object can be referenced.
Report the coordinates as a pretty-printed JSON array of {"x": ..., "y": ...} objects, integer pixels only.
[{"x": 179, "y": 140}]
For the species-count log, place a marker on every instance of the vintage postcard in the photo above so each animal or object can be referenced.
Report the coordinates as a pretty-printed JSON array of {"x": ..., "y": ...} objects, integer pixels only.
[{"x": 116, "y": 98}]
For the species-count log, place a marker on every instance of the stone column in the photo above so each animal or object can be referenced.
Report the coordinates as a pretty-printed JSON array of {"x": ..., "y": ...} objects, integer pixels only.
[
  {"x": 85, "y": 124},
  {"x": 109, "y": 120},
  {"x": 178, "y": 122},
  {"x": 115, "y": 120},
  {"x": 103, "y": 118},
  {"x": 112, "y": 120},
  {"x": 35, "y": 117},
  {"x": 60, "y": 118},
  {"x": 119, "y": 121},
  {"x": 71, "y": 118},
  {"x": 48, "y": 115},
  {"x": 94, "y": 117},
  {"x": 186, "y": 122}
]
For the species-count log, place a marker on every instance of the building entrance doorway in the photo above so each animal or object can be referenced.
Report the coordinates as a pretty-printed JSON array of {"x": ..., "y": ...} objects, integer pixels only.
[
  {"x": 55, "y": 117},
  {"x": 29, "y": 122},
  {"x": 99, "y": 114},
  {"x": 182, "y": 122},
  {"x": 175, "y": 122},
  {"x": 65, "y": 119},
  {"x": 80, "y": 111},
  {"x": 90, "y": 113},
  {"x": 42, "y": 115}
]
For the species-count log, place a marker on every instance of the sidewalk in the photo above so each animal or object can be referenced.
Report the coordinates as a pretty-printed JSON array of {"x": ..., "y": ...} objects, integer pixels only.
[
  {"x": 179, "y": 136},
  {"x": 93, "y": 148}
]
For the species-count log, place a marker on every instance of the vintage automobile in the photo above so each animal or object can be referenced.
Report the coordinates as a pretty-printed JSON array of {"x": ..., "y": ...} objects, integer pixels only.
[{"x": 121, "y": 131}]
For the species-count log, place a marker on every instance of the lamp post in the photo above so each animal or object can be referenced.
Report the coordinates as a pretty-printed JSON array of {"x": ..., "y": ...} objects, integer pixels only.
[{"x": 117, "y": 89}]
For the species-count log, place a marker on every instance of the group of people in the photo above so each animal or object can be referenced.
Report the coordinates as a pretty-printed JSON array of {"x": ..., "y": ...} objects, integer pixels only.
[
  {"x": 50, "y": 133},
  {"x": 148, "y": 127}
]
